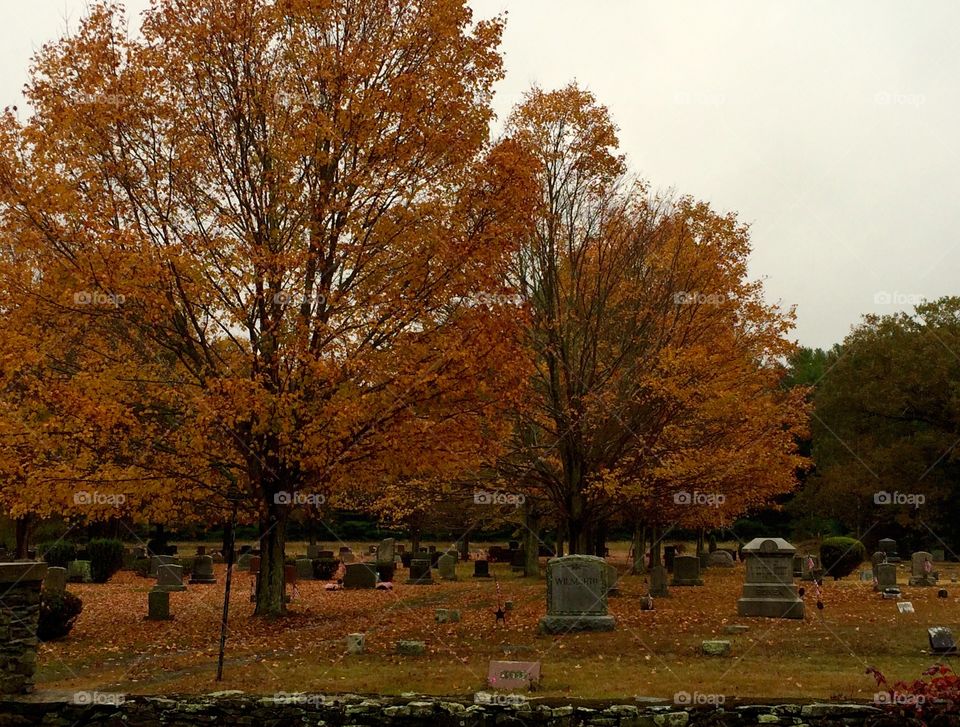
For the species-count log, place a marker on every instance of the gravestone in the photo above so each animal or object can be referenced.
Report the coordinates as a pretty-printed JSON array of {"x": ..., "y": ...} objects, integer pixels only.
[
  {"x": 797, "y": 566},
  {"x": 158, "y": 606},
  {"x": 686, "y": 571},
  {"x": 721, "y": 559},
  {"x": 201, "y": 550},
  {"x": 386, "y": 551},
  {"x": 411, "y": 648},
  {"x": 447, "y": 565},
  {"x": 56, "y": 580},
  {"x": 420, "y": 574},
  {"x": 715, "y": 648},
  {"x": 769, "y": 590},
  {"x": 576, "y": 595},
  {"x": 304, "y": 568},
  {"x": 938, "y": 555},
  {"x": 446, "y": 615},
  {"x": 481, "y": 569},
  {"x": 158, "y": 560},
  {"x": 313, "y": 551},
  {"x": 513, "y": 674},
  {"x": 360, "y": 575},
  {"x": 732, "y": 552},
  {"x": 170, "y": 578},
  {"x": 704, "y": 560},
  {"x": 202, "y": 570},
  {"x": 877, "y": 558},
  {"x": 78, "y": 571},
  {"x": 243, "y": 562},
  {"x": 613, "y": 589},
  {"x": 921, "y": 569},
  {"x": 886, "y": 574},
  {"x": 347, "y": 556},
  {"x": 866, "y": 575},
  {"x": 941, "y": 640},
  {"x": 325, "y": 554},
  {"x": 355, "y": 643},
  {"x": 669, "y": 555},
  {"x": 658, "y": 580},
  {"x": 518, "y": 560},
  {"x": 889, "y": 547},
  {"x": 905, "y": 607}
]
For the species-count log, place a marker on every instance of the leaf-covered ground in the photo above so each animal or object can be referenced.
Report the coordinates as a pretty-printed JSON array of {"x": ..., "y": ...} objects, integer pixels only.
[{"x": 112, "y": 647}]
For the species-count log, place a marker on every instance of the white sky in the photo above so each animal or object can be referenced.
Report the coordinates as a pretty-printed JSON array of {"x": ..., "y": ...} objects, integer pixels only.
[{"x": 833, "y": 128}]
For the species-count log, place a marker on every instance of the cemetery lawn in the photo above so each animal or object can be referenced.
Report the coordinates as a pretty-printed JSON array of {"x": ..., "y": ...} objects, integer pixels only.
[{"x": 112, "y": 648}]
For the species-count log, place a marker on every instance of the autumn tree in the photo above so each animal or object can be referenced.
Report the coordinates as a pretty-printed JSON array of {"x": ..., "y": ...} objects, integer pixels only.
[
  {"x": 656, "y": 358},
  {"x": 287, "y": 230}
]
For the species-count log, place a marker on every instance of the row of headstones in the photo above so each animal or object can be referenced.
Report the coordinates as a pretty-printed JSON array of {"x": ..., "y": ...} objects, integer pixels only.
[
  {"x": 578, "y": 586},
  {"x": 719, "y": 558},
  {"x": 884, "y": 572}
]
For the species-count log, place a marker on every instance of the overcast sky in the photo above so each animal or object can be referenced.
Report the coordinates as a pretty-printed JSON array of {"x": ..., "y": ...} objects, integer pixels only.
[{"x": 832, "y": 128}]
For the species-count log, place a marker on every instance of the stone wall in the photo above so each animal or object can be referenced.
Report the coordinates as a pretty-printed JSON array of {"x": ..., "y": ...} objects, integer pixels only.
[
  {"x": 238, "y": 710},
  {"x": 19, "y": 612}
]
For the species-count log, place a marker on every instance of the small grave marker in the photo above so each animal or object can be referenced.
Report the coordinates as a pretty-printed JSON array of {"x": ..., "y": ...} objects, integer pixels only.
[{"x": 513, "y": 674}]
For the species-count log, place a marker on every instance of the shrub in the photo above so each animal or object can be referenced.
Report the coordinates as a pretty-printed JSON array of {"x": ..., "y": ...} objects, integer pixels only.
[
  {"x": 841, "y": 556},
  {"x": 106, "y": 558},
  {"x": 58, "y": 614},
  {"x": 58, "y": 554},
  {"x": 325, "y": 568},
  {"x": 141, "y": 566}
]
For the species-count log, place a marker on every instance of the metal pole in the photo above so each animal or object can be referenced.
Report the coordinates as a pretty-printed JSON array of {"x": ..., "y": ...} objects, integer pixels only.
[{"x": 231, "y": 538}]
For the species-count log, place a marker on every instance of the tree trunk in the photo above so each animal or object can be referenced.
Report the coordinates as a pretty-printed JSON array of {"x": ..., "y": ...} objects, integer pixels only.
[
  {"x": 531, "y": 541},
  {"x": 699, "y": 542},
  {"x": 270, "y": 586},
  {"x": 415, "y": 539},
  {"x": 600, "y": 540},
  {"x": 23, "y": 527},
  {"x": 655, "y": 546},
  {"x": 465, "y": 548},
  {"x": 558, "y": 542},
  {"x": 639, "y": 545},
  {"x": 228, "y": 541}
]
